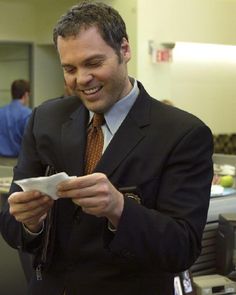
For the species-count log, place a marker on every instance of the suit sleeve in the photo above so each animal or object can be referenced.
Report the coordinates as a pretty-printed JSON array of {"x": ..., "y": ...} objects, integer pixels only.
[
  {"x": 168, "y": 236},
  {"x": 28, "y": 165}
]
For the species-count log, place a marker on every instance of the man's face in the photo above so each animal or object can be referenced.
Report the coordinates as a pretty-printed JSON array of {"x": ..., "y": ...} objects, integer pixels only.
[{"x": 92, "y": 69}]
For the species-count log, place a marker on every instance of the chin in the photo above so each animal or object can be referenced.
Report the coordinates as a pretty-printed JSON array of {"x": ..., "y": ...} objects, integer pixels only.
[{"x": 97, "y": 107}]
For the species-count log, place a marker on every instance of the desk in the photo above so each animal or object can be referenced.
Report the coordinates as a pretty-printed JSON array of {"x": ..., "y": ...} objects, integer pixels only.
[
  {"x": 5, "y": 183},
  {"x": 5, "y": 161}
]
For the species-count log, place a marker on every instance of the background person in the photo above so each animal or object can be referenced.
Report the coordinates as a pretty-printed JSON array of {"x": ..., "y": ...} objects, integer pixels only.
[
  {"x": 168, "y": 102},
  {"x": 138, "y": 217},
  {"x": 13, "y": 119}
]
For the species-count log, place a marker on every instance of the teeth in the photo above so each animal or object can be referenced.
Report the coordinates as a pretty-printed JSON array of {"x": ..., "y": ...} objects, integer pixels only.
[{"x": 91, "y": 91}]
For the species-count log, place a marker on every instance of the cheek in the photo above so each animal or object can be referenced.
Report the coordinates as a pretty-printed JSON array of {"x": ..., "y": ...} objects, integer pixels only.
[
  {"x": 108, "y": 72},
  {"x": 70, "y": 81}
]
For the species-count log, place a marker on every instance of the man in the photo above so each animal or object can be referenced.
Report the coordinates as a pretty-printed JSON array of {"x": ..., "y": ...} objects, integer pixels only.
[
  {"x": 137, "y": 218},
  {"x": 13, "y": 119}
]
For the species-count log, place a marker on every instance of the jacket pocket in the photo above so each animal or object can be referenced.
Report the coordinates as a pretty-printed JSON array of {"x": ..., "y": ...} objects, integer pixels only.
[{"x": 147, "y": 191}]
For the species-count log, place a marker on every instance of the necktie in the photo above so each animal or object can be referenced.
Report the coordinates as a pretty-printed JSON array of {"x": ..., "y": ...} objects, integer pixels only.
[{"x": 94, "y": 143}]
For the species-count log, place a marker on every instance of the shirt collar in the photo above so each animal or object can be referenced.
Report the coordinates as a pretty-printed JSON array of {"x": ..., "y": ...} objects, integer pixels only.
[
  {"x": 16, "y": 101},
  {"x": 117, "y": 113}
]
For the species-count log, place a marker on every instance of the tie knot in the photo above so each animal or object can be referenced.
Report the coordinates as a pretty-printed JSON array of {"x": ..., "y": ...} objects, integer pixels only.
[{"x": 98, "y": 120}]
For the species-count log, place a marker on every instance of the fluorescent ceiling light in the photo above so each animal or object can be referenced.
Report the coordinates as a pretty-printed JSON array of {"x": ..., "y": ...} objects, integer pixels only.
[{"x": 204, "y": 52}]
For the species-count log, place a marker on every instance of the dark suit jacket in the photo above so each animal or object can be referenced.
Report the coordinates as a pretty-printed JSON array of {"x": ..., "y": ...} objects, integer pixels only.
[{"x": 164, "y": 154}]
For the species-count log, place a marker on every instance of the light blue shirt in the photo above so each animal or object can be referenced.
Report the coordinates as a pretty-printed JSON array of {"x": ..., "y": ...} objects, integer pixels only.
[
  {"x": 117, "y": 113},
  {"x": 13, "y": 118}
]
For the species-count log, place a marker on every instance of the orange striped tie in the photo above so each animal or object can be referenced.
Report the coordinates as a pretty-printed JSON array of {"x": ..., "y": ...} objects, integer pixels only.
[{"x": 94, "y": 145}]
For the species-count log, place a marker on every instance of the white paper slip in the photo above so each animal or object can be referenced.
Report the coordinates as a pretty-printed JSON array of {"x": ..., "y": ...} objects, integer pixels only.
[{"x": 44, "y": 184}]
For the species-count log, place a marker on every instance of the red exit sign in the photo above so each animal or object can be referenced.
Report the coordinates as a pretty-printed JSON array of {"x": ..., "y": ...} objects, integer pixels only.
[{"x": 163, "y": 55}]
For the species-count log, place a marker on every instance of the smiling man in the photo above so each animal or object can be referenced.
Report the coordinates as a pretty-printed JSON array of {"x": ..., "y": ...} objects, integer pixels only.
[
  {"x": 135, "y": 217},
  {"x": 94, "y": 70}
]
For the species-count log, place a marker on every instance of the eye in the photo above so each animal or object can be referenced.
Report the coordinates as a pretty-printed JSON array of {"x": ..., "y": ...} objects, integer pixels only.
[
  {"x": 69, "y": 69},
  {"x": 94, "y": 63}
]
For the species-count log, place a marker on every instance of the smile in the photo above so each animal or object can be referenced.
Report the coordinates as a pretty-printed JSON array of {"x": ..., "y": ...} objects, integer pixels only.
[{"x": 91, "y": 90}]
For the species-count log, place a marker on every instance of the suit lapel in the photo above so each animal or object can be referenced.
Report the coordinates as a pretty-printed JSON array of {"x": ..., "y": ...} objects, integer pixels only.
[
  {"x": 73, "y": 141},
  {"x": 128, "y": 136},
  {"x": 124, "y": 141}
]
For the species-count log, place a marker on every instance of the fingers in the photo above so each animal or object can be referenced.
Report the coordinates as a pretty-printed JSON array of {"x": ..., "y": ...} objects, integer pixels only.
[
  {"x": 97, "y": 208},
  {"x": 91, "y": 192},
  {"x": 28, "y": 207},
  {"x": 81, "y": 182},
  {"x": 93, "y": 201},
  {"x": 23, "y": 197},
  {"x": 93, "y": 185},
  {"x": 94, "y": 193}
]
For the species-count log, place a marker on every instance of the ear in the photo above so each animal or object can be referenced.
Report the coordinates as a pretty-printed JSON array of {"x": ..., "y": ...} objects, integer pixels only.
[
  {"x": 25, "y": 98},
  {"x": 125, "y": 50}
]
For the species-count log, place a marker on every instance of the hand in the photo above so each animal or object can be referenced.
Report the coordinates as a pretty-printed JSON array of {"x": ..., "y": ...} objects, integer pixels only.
[
  {"x": 95, "y": 194},
  {"x": 30, "y": 208}
]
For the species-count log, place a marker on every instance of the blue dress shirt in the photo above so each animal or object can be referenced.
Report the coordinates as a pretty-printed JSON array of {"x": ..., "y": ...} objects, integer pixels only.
[
  {"x": 13, "y": 118},
  {"x": 117, "y": 113}
]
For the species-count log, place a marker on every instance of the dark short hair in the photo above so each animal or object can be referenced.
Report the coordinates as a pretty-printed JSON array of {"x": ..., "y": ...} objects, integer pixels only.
[
  {"x": 88, "y": 14},
  {"x": 19, "y": 88}
]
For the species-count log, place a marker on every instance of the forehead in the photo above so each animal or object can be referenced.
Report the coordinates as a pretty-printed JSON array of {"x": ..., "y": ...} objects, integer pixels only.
[
  {"x": 87, "y": 40},
  {"x": 85, "y": 45}
]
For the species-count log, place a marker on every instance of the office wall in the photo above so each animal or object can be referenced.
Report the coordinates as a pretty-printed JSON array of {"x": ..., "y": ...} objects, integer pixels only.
[
  {"x": 27, "y": 21},
  {"x": 48, "y": 76},
  {"x": 33, "y": 21},
  {"x": 14, "y": 60},
  {"x": 210, "y": 21},
  {"x": 128, "y": 11},
  {"x": 205, "y": 89},
  {"x": 17, "y": 21},
  {"x": 46, "y": 15}
]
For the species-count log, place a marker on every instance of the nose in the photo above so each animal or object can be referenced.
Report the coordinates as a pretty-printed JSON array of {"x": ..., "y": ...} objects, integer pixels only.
[{"x": 83, "y": 77}]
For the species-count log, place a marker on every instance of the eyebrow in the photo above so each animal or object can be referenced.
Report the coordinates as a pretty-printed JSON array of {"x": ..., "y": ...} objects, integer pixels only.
[{"x": 66, "y": 65}]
